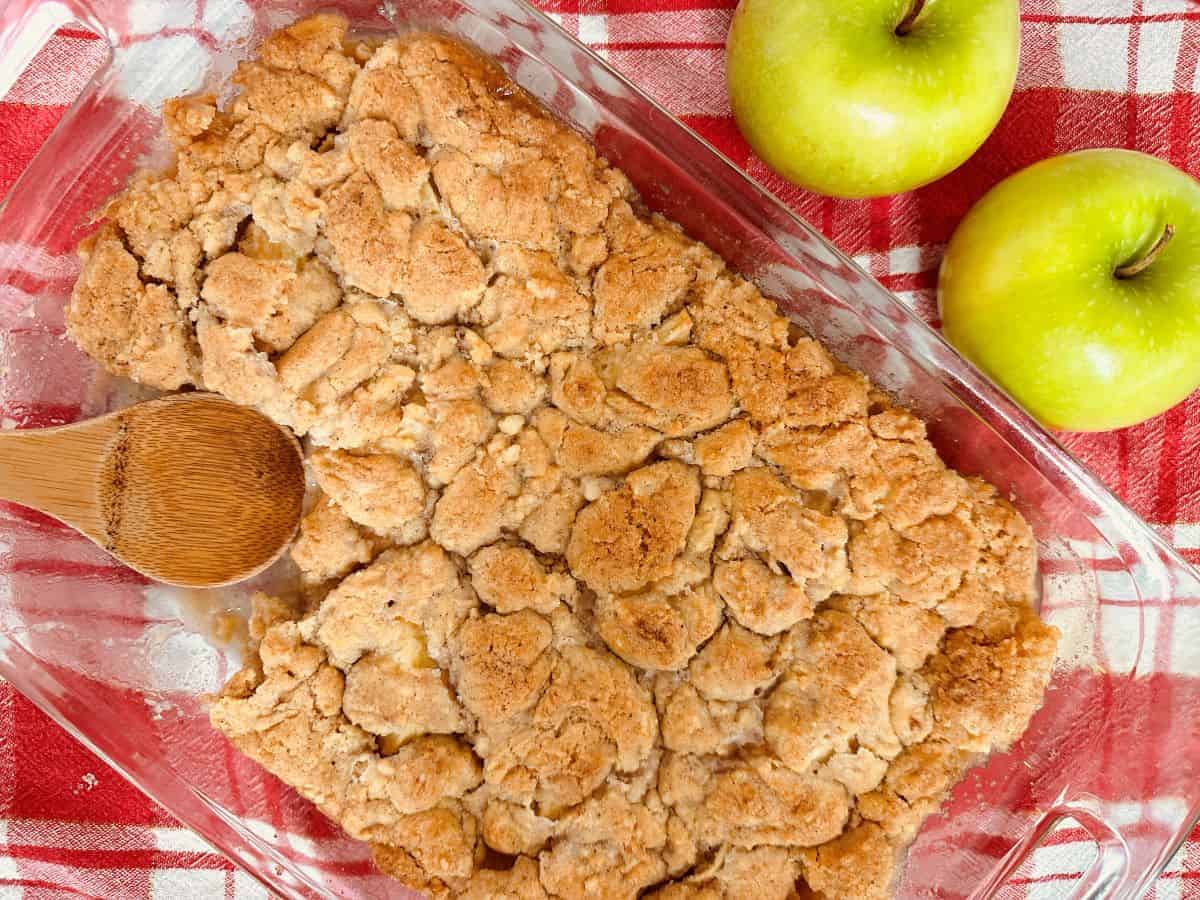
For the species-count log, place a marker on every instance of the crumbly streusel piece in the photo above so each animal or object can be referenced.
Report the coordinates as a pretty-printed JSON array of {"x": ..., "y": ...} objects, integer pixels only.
[
  {"x": 133, "y": 328},
  {"x": 630, "y": 536},
  {"x": 378, "y": 491},
  {"x": 510, "y": 577},
  {"x": 612, "y": 570},
  {"x": 330, "y": 544},
  {"x": 592, "y": 720},
  {"x": 763, "y": 873},
  {"x": 611, "y": 845},
  {"x": 656, "y": 630},
  {"x": 694, "y": 724},
  {"x": 834, "y": 699},
  {"x": 277, "y": 299},
  {"x": 753, "y": 800},
  {"x": 293, "y": 722}
]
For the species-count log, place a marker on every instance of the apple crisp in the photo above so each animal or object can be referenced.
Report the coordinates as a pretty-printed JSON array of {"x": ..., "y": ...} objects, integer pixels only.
[{"x": 615, "y": 584}]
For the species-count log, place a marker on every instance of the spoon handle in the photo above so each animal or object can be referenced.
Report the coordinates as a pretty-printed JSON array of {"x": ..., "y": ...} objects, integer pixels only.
[{"x": 58, "y": 470}]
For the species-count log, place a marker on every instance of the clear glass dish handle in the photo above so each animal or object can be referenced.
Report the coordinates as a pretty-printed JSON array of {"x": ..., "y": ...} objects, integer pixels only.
[
  {"x": 25, "y": 27},
  {"x": 1109, "y": 868}
]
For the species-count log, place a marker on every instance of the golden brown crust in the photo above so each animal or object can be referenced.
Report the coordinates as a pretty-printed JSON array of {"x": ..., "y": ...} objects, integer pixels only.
[
  {"x": 752, "y": 801},
  {"x": 331, "y": 545},
  {"x": 613, "y": 570},
  {"x": 378, "y": 491},
  {"x": 652, "y": 629},
  {"x": 503, "y": 664},
  {"x": 132, "y": 328},
  {"x": 510, "y": 577},
  {"x": 989, "y": 679},
  {"x": 761, "y": 873},
  {"x": 834, "y": 698},
  {"x": 694, "y": 724},
  {"x": 630, "y": 536},
  {"x": 859, "y": 865}
]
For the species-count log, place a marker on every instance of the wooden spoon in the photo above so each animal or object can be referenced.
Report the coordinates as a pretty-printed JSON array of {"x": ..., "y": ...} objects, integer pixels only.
[{"x": 190, "y": 489}]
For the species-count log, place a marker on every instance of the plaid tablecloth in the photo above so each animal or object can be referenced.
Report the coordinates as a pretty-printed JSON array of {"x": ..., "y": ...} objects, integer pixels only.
[{"x": 1093, "y": 73}]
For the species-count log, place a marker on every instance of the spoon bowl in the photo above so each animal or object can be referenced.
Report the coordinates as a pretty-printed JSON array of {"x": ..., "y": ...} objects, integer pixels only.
[{"x": 191, "y": 489}]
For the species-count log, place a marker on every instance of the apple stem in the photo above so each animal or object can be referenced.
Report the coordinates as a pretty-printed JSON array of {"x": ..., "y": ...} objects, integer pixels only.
[
  {"x": 907, "y": 23},
  {"x": 1138, "y": 266}
]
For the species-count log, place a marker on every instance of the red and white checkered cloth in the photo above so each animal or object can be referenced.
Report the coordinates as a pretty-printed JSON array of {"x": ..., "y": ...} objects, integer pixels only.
[{"x": 1093, "y": 73}]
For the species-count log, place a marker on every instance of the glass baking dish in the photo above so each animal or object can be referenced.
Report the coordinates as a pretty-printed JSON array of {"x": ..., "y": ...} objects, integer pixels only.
[{"x": 1112, "y": 759}]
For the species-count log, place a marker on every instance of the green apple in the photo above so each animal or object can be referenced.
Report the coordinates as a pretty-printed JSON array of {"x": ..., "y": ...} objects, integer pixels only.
[
  {"x": 1075, "y": 284},
  {"x": 862, "y": 98}
]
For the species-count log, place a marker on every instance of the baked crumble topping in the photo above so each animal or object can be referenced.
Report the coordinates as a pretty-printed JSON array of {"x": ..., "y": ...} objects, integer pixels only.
[{"x": 615, "y": 584}]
